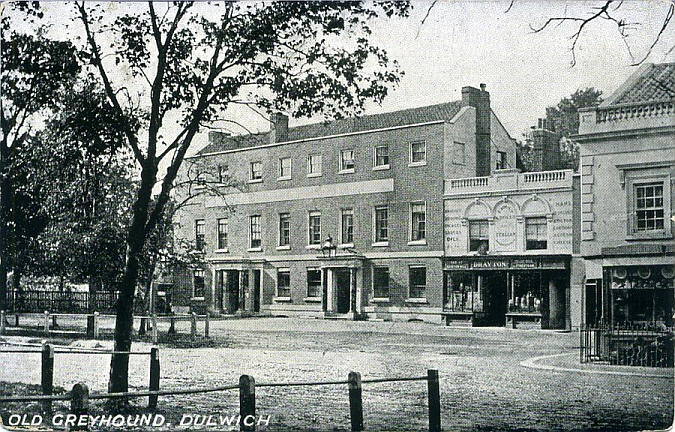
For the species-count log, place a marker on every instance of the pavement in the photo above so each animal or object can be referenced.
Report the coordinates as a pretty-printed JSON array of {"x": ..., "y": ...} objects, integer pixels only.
[{"x": 490, "y": 378}]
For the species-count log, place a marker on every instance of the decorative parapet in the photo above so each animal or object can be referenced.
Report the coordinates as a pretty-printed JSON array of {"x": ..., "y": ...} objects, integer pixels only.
[
  {"x": 634, "y": 110},
  {"x": 624, "y": 117},
  {"x": 510, "y": 181}
]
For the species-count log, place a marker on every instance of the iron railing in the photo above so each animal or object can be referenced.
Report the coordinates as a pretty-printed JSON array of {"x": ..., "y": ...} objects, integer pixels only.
[{"x": 38, "y": 301}]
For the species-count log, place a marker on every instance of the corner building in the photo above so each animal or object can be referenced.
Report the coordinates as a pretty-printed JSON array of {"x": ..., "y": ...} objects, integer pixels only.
[{"x": 339, "y": 219}]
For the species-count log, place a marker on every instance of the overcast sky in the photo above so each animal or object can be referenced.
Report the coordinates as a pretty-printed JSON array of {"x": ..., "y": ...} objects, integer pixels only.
[{"x": 472, "y": 42}]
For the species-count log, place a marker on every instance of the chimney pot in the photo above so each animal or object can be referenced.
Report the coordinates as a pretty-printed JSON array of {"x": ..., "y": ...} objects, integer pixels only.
[{"x": 482, "y": 86}]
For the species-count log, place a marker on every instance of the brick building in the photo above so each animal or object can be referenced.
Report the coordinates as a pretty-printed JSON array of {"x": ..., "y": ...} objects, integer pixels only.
[
  {"x": 342, "y": 218},
  {"x": 627, "y": 152},
  {"x": 512, "y": 245}
]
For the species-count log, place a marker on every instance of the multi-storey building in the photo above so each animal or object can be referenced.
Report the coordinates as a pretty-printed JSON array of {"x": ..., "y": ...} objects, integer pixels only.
[
  {"x": 338, "y": 218},
  {"x": 627, "y": 165},
  {"x": 512, "y": 245}
]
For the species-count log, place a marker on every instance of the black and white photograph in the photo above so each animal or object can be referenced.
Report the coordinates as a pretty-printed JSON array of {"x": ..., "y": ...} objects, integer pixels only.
[{"x": 439, "y": 215}]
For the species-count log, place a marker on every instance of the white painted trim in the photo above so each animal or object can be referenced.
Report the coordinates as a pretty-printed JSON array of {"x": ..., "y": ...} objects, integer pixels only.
[
  {"x": 381, "y": 167},
  {"x": 324, "y": 137},
  {"x": 303, "y": 192}
]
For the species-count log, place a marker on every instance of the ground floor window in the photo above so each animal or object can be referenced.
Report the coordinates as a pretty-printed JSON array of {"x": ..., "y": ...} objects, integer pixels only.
[
  {"x": 381, "y": 282},
  {"x": 641, "y": 294},
  {"x": 198, "y": 283},
  {"x": 461, "y": 290},
  {"x": 283, "y": 283},
  {"x": 526, "y": 294},
  {"x": 313, "y": 283},
  {"x": 418, "y": 282}
]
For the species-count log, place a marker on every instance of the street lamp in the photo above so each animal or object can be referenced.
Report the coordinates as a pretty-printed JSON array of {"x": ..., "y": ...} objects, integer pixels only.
[{"x": 328, "y": 247}]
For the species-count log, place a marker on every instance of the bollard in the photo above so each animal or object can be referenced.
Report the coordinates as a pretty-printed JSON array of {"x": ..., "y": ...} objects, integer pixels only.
[
  {"x": 434, "y": 401},
  {"x": 96, "y": 318},
  {"x": 79, "y": 405},
  {"x": 47, "y": 380},
  {"x": 193, "y": 326},
  {"x": 54, "y": 323},
  {"x": 16, "y": 320},
  {"x": 142, "y": 328},
  {"x": 355, "y": 401},
  {"x": 46, "y": 323},
  {"x": 247, "y": 403},
  {"x": 154, "y": 377},
  {"x": 154, "y": 329},
  {"x": 2, "y": 322},
  {"x": 206, "y": 325},
  {"x": 172, "y": 326}
]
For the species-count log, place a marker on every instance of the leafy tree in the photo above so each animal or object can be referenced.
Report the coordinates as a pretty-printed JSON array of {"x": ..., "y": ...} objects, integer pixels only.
[
  {"x": 195, "y": 61},
  {"x": 564, "y": 120},
  {"x": 34, "y": 69}
]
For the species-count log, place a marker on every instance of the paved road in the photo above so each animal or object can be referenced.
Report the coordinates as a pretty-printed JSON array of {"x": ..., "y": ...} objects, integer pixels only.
[{"x": 483, "y": 385}]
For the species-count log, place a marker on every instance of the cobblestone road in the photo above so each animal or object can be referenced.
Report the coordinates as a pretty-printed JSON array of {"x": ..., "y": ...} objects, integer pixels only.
[{"x": 483, "y": 386}]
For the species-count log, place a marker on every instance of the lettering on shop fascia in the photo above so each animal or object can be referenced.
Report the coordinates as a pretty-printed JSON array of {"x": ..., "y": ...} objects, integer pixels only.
[{"x": 506, "y": 264}]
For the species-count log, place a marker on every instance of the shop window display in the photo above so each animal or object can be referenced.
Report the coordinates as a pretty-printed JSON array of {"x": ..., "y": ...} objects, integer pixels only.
[
  {"x": 526, "y": 293},
  {"x": 462, "y": 293},
  {"x": 641, "y": 295}
]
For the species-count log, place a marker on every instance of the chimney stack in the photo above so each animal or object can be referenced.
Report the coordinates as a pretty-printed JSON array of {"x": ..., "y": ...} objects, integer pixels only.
[
  {"x": 278, "y": 127},
  {"x": 546, "y": 147},
  {"x": 480, "y": 99}
]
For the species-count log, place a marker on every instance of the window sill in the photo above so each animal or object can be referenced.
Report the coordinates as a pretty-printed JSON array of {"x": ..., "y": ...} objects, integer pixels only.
[
  {"x": 284, "y": 247},
  {"x": 347, "y": 171},
  {"x": 381, "y": 167},
  {"x": 649, "y": 236},
  {"x": 255, "y": 181},
  {"x": 254, "y": 249},
  {"x": 316, "y": 247},
  {"x": 312, "y": 299},
  {"x": 417, "y": 164},
  {"x": 283, "y": 178},
  {"x": 310, "y": 175},
  {"x": 197, "y": 299},
  {"x": 282, "y": 299},
  {"x": 380, "y": 300},
  {"x": 417, "y": 300},
  {"x": 380, "y": 244},
  {"x": 224, "y": 250},
  {"x": 417, "y": 242},
  {"x": 346, "y": 245}
]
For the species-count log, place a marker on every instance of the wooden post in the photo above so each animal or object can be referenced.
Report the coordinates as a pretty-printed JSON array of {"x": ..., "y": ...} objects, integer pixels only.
[
  {"x": 172, "y": 326},
  {"x": 54, "y": 323},
  {"x": 47, "y": 380},
  {"x": 142, "y": 328},
  {"x": 193, "y": 326},
  {"x": 79, "y": 404},
  {"x": 434, "y": 401},
  {"x": 16, "y": 320},
  {"x": 2, "y": 322},
  {"x": 154, "y": 329},
  {"x": 206, "y": 324},
  {"x": 247, "y": 403},
  {"x": 355, "y": 401},
  {"x": 46, "y": 323},
  {"x": 96, "y": 317},
  {"x": 154, "y": 376}
]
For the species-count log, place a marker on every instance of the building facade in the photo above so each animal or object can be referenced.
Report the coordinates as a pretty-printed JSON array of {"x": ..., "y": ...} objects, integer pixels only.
[
  {"x": 512, "y": 247},
  {"x": 627, "y": 151},
  {"x": 342, "y": 218}
]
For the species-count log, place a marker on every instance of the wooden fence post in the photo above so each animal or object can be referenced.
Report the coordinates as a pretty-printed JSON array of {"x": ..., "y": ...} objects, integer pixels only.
[
  {"x": 355, "y": 401},
  {"x": 193, "y": 326},
  {"x": 206, "y": 324},
  {"x": 3, "y": 317},
  {"x": 154, "y": 328},
  {"x": 46, "y": 323},
  {"x": 16, "y": 320},
  {"x": 247, "y": 403},
  {"x": 96, "y": 317},
  {"x": 154, "y": 376},
  {"x": 79, "y": 404},
  {"x": 434, "y": 401},
  {"x": 172, "y": 326},
  {"x": 47, "y": 380}
]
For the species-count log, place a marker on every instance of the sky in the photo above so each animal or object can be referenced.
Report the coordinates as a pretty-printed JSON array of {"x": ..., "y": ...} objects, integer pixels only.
[{"x": 471, "y": 42}]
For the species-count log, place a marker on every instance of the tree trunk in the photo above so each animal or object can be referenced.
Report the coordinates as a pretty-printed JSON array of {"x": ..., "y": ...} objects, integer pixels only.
[{"x": 4, "y": 221}]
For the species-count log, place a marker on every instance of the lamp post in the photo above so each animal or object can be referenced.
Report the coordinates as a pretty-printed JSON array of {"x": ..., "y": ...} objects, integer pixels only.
[{"x": 328, "y": 248}]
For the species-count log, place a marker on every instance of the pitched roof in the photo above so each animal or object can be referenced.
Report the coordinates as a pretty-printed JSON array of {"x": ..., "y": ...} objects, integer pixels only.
[
  {"x": 650, "y": 83},
  {"x": 445, "y": 111}
]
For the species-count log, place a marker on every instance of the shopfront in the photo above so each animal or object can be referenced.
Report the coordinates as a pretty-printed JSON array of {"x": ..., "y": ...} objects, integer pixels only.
[{"x": 518, "y": 291}]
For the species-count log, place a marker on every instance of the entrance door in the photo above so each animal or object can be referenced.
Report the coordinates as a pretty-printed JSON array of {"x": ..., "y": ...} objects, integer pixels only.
[
  {"x": 256, "y": 290},
  {"x": 494, "y": 287},
  {"x": 343, "y": 288},
  {"x": 232, "y": 291}
]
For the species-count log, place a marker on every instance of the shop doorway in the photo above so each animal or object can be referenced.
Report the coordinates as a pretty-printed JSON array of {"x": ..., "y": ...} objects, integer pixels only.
[
  {"x": 230, "y": 291},
  {"x": 343, "y": 288},
  {"x": 494, "y": 291}
]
